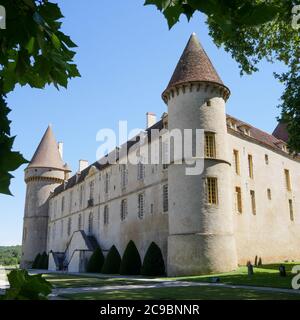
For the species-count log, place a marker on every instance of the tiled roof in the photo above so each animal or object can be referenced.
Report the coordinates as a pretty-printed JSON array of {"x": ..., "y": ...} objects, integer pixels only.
[
  {"x": 258, "y": 135},
  {"x": 47, "y": 154},
  {"x": 255, "y": 135},
  {"x": 194, "y": 66},
  {"x": 281, "y": 133}
]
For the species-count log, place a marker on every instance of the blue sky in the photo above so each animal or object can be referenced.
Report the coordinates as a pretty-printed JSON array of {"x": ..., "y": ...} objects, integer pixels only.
[{"x": 126, "y": 56}]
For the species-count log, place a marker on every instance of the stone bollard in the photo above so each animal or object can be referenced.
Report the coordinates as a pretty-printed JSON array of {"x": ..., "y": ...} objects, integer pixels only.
[
  {"x": 282, "y": 271},
  {"x": 250, "y": 269}
]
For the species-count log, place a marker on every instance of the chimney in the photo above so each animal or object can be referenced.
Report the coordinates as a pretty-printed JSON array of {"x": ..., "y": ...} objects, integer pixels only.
[
  {"x": 151, "y": 119},
  {"x": 61, "y": 148},
  {"x": 83, "y": 164}
]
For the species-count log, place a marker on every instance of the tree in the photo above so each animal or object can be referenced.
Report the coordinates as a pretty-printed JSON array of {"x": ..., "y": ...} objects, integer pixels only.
[
  {"x": 252, "y": 30},
  {"x": 36, "y": 261},
  {"x": 131, "y": 260},
  {"x": 35, "y": 52},
  {"x": 96, "y": 261},
  {"x": 43, "y": 262},
  {"x": 153, "y": 264},
  {"x": 26, "y": 287},
  {"x": 112, "y": 262}
]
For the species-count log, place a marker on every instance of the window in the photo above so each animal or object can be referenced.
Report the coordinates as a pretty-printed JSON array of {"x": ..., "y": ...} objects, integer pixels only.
[
  {"x": 124, "y": 176},
  {"x": 92, "y": 186},
  {"x": 266, "y": 159},
  {"x": 91, "y": 218},
  {"x": 81, "y": 195},
  {"x": 236, "y": 158},
  {"x": 239, "y": 203},
  {"x": 253, "y": 202},
  {"x": 212, "y": 190},
  {"x": 208, "y": 103},
  {"x": 288, "y": 180},
  {"x": 123, "y": 209},
  {"x": 140, "y": 171},
  {"x": 141, "y": 205},
  {"x": 69, "y": 226},
  {"x": 62, "y": 228},
  {"x": 250, "y": 165},
  {"x": 291, "y": 209},
  {"x": 55, "y": 208},
  {"x": 269, "y": 194},
  {"x": 71, "y": 200},
  {"x": 106, "y": 183},
  {"x": 106, "y": 215},
  {"x": 151, "y": 208},
  {"x": 79, "y": 222},
  {"x": 165, "y": 198},
  {"x": 210, "y": 145},
  {"x": 62, "y": 204},
  {"x": 165, "y": 154}
]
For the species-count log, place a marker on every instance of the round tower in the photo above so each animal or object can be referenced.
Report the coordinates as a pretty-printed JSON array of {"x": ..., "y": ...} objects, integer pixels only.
[
  {"x": 44, "y": 173},
  {"x": 201, "y": 238}
]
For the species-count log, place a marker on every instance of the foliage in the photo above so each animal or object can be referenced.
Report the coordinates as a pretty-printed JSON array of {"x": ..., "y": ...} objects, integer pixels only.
[
  {"x": 252, "y": 30},
  {"x": 96, "y": 261},
  {"x": 153, "y": 264},
  {"x": 43, "y": 262},
  {"x": 26, "y": 287},
  {"x": 36, "y": 261},
  {"x": 112, "y": 262},
  {"x": 10, "y": 255},
  {"x": 131, "y": 260},
  {"x": 35, "y": 52}
]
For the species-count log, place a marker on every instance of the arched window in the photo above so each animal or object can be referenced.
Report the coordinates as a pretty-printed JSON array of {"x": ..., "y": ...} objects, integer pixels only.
[
  {"x": 69, "y": 226},
  {"x": 91, "y": 223},
  {"x": 79, "y": 222}
]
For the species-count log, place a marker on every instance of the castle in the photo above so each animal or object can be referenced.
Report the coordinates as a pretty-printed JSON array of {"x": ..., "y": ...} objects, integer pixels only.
[{"x": 245, "y": 205}]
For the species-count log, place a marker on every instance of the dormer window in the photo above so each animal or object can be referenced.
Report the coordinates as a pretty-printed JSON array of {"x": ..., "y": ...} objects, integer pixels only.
[
  {"x": 245, "y": 129},
  {"x": 282, "y": 146},
  {"x": 231, "y": 123}
]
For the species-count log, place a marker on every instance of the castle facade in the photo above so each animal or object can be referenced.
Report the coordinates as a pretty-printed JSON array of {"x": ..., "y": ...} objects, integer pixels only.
[{"x": 245, "y": 204}]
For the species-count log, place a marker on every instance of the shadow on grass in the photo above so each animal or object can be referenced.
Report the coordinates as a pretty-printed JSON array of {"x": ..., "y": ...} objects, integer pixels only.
[{"x": 182, "y": 293}]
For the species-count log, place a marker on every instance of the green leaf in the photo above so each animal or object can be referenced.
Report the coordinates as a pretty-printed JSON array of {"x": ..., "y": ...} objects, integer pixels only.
[
  {"x": 56, "y": 42},
  {"x": 30, "y": 45}
]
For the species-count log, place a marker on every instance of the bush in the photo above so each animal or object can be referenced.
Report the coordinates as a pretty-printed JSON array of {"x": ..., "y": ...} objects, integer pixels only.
[
  {"x": 43, "y": 262},
  {"x": 36, "y": 261},
  {"x": 131, "y": 261},
  {"x": 112, "y": 262},
  {"x": 22, "y": 286},
  {"x": 96, "y": 261},
  {"x": 153, "y": 264}
]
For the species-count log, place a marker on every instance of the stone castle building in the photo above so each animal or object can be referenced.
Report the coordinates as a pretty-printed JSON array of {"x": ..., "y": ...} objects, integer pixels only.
[{"x": 244, "y": 205}]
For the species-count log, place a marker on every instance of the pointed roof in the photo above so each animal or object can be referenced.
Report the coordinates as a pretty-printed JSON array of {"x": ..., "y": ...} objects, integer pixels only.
[
  {"x": 281, "y": 132},
  {"x": 194, "y": 66},
  {"x": 47, "y": 154}
]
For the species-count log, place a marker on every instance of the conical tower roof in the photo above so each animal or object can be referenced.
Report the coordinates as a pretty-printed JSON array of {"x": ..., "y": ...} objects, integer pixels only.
[
  {"x": 47, "y": 154},
  {"x": 194, "y": 66}
]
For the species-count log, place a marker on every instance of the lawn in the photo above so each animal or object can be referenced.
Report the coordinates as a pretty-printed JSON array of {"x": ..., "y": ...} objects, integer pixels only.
[
  {"x": 71, "y": 281},
  {"x": 183, "y": 293},
  {"x": 264, "y": 276}
]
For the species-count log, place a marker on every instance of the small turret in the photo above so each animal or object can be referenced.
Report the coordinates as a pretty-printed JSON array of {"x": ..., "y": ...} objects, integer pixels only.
[
  {"x": 201, "y": 238},
  {"x": 44, "y": 173}
]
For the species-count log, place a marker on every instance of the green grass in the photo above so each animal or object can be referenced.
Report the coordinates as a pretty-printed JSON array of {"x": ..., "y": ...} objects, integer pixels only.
[
  {"x": 182, "y": 293},
  {"x": 264, "y": 276},
  {"x": 71, "y": 281}
]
